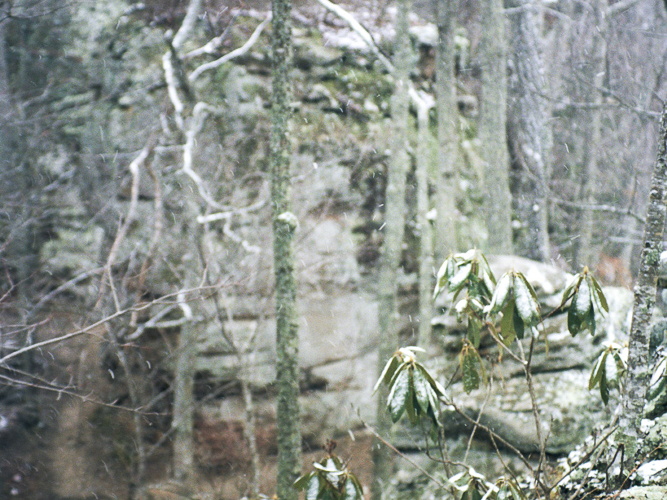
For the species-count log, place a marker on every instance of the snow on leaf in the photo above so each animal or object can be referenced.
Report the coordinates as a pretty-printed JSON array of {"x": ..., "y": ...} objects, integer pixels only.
[
  {"x": 313, "y": 488},
  {"x": 526, "y": 302},
  {"x": 387, "y": 372},
  {"x": 398, "y": 396},
  {"x": 502, "y": 293},
  {"x": 582, "y": 300},
  {"x": 459, "y": 279}
]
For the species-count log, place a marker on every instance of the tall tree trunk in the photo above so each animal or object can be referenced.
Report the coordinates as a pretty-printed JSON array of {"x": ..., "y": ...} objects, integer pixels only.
[
  {"x": 594, "y": 75},
  {"x": 424, "y": 225},
  {"x": 284, "y": 225},
  {"x": 183, "y": 102},
  {"x": 184, "y": 400},
  {"x": 634, "y": 396},
  {"x": 394, "y": 228},
  {"x": 530, "y": 136},
  {"x": 446, "y": 170},
  {"x": 492, "y": 128}
]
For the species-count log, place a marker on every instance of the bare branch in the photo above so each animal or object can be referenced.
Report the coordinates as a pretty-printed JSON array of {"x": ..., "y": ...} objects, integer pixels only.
[
  {"x": 122, "y": 232},
  {"x": 188, "y": 25},
  {"x": 65, "y": 286},
  {"x": 359, "y": 30},
  {"x": 211, "y": 46},
  {"x": 91, "y": 327},
  {"x": 366, "y": 37},
  {"x": 620, "y": 7},
  {"x": 199, "y": 114},
  {"x": 600, "y": 208}
]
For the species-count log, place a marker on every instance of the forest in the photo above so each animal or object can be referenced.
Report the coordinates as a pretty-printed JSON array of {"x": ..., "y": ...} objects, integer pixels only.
[{"x": 329, "y": 250}]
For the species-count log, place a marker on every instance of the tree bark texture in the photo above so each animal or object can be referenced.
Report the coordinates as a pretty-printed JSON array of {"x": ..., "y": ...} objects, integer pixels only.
[
  {"x": 634, "y": 396},
  {"x": 425, "y": 232},
  {"x": 448, "y": 157},
  {"x": 530, "y": 137},
  {"x": 492, "y": 128},
  {"x": 394, "y": 229},
  {"x": 284, "y": 225},
  {"x": 184, "y": 405},
  {"x": 593, "y": 76}
]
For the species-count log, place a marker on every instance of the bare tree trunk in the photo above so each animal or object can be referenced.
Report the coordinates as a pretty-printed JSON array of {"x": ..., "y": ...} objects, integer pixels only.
[
  {"x": 184, "y": 372},
  {"x": 634, "y": 396},
  {"x": 446, "y": 171},
  {"x": 425, "y": 231},
  {"x": 138, "y": 474},
  {"x": 530, "y": 136},
  {"x": 249, "y": 431},
  {"x": 184, "y": 400},
  {"x": 394, "y": 228},
  {"x": 492, "y": 128},
  {"x": 284, "y": 225},
  {"x": 593, "y": 82}
]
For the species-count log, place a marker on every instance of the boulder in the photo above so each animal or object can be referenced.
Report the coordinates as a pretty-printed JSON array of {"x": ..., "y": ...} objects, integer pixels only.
[{"x": 644, "y": 493}]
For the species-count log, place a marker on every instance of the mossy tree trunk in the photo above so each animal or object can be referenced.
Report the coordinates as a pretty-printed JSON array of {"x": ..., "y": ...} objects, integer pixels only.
[
  {"x": 530, "y": 137},
  {"x": 448, "y": 158},
  {"x": 394, "y": 228},
  {"x": 284, "y": 225},
  {"x": 492, "y": 128},
  {"x": 634, "y": 396}
]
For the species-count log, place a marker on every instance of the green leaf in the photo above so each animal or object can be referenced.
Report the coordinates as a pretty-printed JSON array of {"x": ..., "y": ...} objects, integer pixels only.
[
  {"x": 571, "y": 288},
  {"x": 604, "y": 388},
  {"x": 445, "y": 273},
  {"x": 590, "y": 320},
  {"x": 619, "y": 362},
  {"x": 502, "y": 294},
  {"x": 507, "y": 330},
  {"x": 398, "y": 395},
  {"x": 459, "y": 279},
  {"x": 470, "y": 369},
  {"x": 526, "y": 300},
  {"x": 438, "y": 389},
  {"x": 387, "y": 372},
  {"x": 486, "y": 271},
  {"x": 573, "y": 321},
  {"x": 509, "y": 491},
  {"x": 357, "y": 486},
  {"x": 581, "y": 302},
  {"x": 411, "y": 404},
  {"x": 474, "y": 330},
  {"x": 600, "y": 294},
  {"x": 350, "y": 490},
  {"x": 518, "y": 323},
  {"x": 598, "y": 368},
  {"x": 302, "y": 482},
  {"x": 313, "y": 488},
  {"x": 422, "y": 389},
  {"x": 447, "y": 269}
]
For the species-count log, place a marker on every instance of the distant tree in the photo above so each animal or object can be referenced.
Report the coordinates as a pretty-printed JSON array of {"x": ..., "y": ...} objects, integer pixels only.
[
  {"x": 422, "y": 165},
  {"x": 184, "y": 371},
  {"x": 284, "y": 226},
  {"x": 492, "y": 127},
  {"x": 593, "y": 81},
  {"x": 394, "y": 228},
  {"x": 530, "y": 135},
  {"x": 446, "y": 175}
]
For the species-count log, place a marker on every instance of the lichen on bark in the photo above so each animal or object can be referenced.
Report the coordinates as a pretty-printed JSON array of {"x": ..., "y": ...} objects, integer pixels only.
[
  {"x": 634, "y": 397},
  {"x": 287, "y": 340}
]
